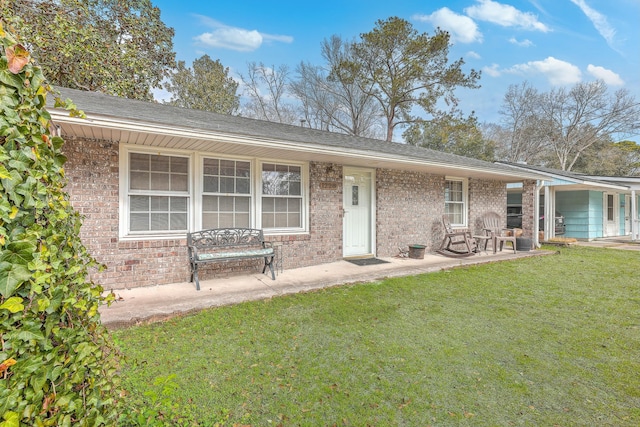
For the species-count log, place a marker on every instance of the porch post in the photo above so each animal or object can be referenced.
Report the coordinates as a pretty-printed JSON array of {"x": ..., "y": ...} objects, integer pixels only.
[{"x": 634, "y": 217}]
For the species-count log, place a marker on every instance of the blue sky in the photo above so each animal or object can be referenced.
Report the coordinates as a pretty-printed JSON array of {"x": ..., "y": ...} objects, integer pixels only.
[{"x": 549, "y": 43}]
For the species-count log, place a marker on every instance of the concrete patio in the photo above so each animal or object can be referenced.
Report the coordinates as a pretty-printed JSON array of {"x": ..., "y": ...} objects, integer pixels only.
[{"x": 154, "y": 303}]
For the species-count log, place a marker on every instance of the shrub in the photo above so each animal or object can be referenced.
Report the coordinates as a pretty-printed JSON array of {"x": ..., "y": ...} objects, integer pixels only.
[{"x": 58, "y": 365}]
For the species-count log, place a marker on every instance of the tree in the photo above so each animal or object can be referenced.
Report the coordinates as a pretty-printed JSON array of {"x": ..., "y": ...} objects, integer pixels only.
[
  {"x": 456, "y": 135},
  {"x": 401, "y": 69},
  {"x": 332, "y": 104},
  {"x": 560, "y": 127},
  {"x": 524, "y": 137},
  {"x": 118, "y": 47},
  {"x": 207, "y": 86},
  {"x": 266, "y": 89},
  {"x": 578, "y": 118},
  {"x": 57, "y": 364},
  {"x": 610, "y": 158}
]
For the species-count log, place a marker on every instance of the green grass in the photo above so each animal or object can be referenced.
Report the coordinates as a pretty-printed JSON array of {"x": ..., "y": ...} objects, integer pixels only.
[{"x": 551, "y": 340}]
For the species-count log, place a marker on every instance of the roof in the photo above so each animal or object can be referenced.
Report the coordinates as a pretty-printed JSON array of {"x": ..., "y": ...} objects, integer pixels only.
[
  {"x": 571, "y": 180},
  {"x": 160, "y": 125}
]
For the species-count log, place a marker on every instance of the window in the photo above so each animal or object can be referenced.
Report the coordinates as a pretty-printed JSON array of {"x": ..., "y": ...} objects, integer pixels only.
[
  {"x": 226, "y": 193},
  {"x": 455, "y": 197},
  {"x": 158, "y": 193},
  {"x": 281, "y": 196},
  {"x": 173, "y": 192},
  {"x": 610, "y": 208}
]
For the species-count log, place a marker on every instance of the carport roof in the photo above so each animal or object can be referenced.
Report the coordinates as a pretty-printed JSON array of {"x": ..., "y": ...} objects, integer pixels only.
[
  {"x": 569, "y": 180},
  {"x": 159, "y": 125}
]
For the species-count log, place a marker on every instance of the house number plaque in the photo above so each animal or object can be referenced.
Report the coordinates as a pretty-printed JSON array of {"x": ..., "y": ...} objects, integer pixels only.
[{"x": 328, "y": 185}]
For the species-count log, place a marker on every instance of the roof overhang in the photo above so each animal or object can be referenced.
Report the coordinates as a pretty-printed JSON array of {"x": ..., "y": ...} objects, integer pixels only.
[
  {"x": 575, "y": 182},
  {"x": 150, "y": 134}
]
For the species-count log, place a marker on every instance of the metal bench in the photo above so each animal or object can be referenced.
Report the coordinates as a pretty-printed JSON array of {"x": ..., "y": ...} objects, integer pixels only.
[{"x": 228, "y": 244}]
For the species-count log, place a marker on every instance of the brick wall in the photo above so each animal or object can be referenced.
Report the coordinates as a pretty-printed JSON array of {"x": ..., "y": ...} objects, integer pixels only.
[
  {"x": 92, "y": 172},
  {"x": 409, "y": 208},
  {"x": 486, "y": 196},
  {"x": 529, "y": 215}
]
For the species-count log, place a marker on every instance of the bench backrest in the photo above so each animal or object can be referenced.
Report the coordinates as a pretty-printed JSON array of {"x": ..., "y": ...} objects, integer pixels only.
[{"x": 223, "y": 237}]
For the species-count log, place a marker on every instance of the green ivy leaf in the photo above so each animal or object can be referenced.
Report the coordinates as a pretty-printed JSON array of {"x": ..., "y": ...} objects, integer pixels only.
[
  {"x": 11, "y": 277},
  {"x": 11, "y": 419},
  {"x": 13, "y": 304}
]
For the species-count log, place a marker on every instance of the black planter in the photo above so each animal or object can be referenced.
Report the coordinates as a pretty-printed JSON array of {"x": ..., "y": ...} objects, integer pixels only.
[
  {"x": 523, "y": 244},
  {"x": 416, "y": 251}
]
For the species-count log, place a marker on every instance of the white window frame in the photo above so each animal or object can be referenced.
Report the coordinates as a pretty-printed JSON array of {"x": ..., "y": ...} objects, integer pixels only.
[
  {"x": 304, "y": 188},
  {"x": 464, "y": 202},
  {"x": 195, "y": 192},
  {"x": 125, "y": 193},
  {"x": 199, "y": 178}
]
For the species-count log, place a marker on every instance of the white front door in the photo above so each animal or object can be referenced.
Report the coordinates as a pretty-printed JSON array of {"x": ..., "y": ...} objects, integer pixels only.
[
  {"x": 358, "y": 202},
  {"x": 611, "y": 225}
]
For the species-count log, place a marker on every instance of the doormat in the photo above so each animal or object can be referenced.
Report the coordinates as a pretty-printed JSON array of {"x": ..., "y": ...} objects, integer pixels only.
[{"x": 367, "y": 261}]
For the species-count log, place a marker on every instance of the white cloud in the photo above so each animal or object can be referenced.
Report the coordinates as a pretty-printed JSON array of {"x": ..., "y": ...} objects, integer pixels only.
[
  {"x": 599, "y": 21},
  {"x": 234, "y": 38},
  {"x": 461, "y": 28},
  {"x": 493, "y": 70},
  {"x": 608, "y": 76},
  {"x": 523, "y": 43},
  {"x": 473, "y": 55},
  {"x": 505, "y": 15},
  {"x": 558, "y": 72}
]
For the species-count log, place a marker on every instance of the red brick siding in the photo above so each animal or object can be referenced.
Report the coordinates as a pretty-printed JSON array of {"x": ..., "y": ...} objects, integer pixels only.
[
  {"x": 486, "y": 196},
  {"x": 409, "y": 208}
]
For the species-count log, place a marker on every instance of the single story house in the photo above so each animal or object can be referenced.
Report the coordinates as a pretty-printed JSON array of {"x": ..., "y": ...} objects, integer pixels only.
[
  {"x": 145, "y": 174},
  {"x": 593, "y": 206}
]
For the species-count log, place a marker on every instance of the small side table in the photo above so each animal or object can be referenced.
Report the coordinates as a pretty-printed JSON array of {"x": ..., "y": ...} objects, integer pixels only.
[{"x": 482, "y": 241}]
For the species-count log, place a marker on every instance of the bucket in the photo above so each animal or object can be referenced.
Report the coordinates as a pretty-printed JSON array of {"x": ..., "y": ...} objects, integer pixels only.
[
  {"x": 523, "y": 244},
  {"x": 416, "y": 251}
]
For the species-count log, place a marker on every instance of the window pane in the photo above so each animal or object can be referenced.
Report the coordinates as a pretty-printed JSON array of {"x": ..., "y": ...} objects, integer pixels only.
[
  {"x": 281, "y": 205},
  {"x": 243, "y": 186},
  {"x": 226, "y": 220},
  {"x": 227, "y": 185},
  {"x": 211, "y": 167},
  {"x": 242, "y": 220},
  {"x": 179, "y": 204},
  {"x": 226, "y": 204},
  {"x": 211, "y": 184},
  {"x": 180, "y": 165},
  {"x": 139, "y": 222},
  {"x": 178, "y": 221},
  {"x": 209, "y": 203},
  {"x": 159, "y": 221},
  {"x": 139, "y": 180},
  {"x": 295, "y": 188},
  {"x": 227, "y": 168},
  {"x": 268, "y": 204},
  {"x": 160, "y": 163},
  {"x": 209, "y": 220},
  {"x": 179, "y": 183},
  {"x": 159, "y": 204},
  {"x": 160, "y": 181},
  {"x": 243, "y": 169},
  {"x": 139, "y": 203},
  {"x": 139, "y": 162}
]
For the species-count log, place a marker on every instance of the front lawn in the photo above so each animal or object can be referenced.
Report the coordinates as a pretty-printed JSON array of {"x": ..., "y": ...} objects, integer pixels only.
[{"x": 552, "y": 340}]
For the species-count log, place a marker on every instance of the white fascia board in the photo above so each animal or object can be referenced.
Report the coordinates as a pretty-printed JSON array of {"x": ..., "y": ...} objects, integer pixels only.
[{"x": 113, "y": 123}]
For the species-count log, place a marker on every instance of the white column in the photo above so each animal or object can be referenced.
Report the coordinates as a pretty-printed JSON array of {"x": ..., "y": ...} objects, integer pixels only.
[{"x": 635, "y": 233}]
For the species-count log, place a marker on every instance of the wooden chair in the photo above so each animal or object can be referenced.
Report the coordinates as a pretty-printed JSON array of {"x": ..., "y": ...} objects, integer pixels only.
[
  {"x": 492, "y": 227},
  {"x": 456, "y": 243}
]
